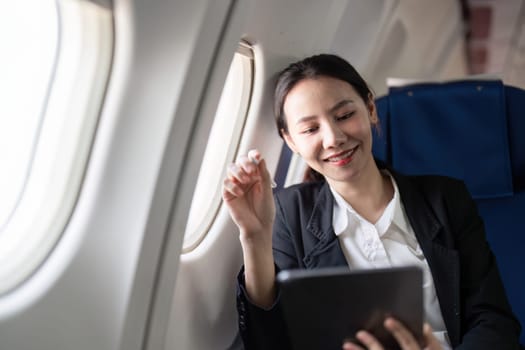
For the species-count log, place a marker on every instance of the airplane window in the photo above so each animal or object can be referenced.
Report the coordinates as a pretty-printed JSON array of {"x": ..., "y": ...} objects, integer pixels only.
[
  {"x": 24, "y": 79},
  {"x": 55, "y": 65},
  {"x": 222, "y": 145}
]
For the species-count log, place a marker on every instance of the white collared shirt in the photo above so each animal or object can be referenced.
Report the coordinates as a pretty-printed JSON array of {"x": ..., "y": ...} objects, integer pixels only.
[{"x": 389, "y": 242}]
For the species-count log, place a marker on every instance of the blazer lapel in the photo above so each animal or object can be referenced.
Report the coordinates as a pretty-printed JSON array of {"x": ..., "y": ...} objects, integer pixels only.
[
  {"x": 326, "y": 252},
  {"x": 443, "y": 261}
]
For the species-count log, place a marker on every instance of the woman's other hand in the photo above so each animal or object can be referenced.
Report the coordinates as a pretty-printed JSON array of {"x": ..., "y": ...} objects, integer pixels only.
[
  {"x": 247, "y": 191},
  {"x": 403, "y": 336},
  {"x": 248, "y": 194}
]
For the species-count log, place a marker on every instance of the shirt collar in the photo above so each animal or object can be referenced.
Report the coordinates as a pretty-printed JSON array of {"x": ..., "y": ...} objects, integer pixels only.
[
  {"x": 340, "y": 214},
  {"x": 343, "y": 212}
]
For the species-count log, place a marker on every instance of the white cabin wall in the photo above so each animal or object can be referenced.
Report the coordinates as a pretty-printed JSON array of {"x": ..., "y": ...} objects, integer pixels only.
[
  {"x": 94, "y": 290},
  {"x": 410, "y": 39}
]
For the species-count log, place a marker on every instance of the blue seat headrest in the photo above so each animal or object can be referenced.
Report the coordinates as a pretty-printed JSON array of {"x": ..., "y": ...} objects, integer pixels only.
[{"x": 457, "y": 129}]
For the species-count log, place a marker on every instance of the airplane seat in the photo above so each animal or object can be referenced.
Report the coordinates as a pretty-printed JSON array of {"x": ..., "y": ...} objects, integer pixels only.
[
  {"x": 472, "y": 130},
  {"x": 515, "y": 110}
]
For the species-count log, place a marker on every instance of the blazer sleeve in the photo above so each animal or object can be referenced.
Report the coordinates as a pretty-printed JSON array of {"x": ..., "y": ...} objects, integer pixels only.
[
  {"x": 265, "y": 328},
  {"x": 487, "y": 320}
]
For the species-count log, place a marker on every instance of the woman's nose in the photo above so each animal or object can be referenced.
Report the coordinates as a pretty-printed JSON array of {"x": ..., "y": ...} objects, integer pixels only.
[{"x": 333, "y": 136}]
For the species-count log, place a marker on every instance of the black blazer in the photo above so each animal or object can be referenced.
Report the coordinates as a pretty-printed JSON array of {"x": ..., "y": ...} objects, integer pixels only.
[{"x": 450, "y": 232}]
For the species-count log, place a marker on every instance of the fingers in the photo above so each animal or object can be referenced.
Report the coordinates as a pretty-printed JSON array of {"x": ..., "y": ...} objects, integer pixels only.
[
  {"x": 240, "y": 176},
  {"x": 406, "y": 339},
  {"x": 244, "y": 169},
  {"x": 403, "y": 336},
  {"x": 348, "y": 345},
  {"x": 431, "y": 341},
  {"x": 368, "y": 340},
  {"x": 244, "y": 173},
  {"x": 397, "y": 331},
  {"x": 255, "y": 157}
]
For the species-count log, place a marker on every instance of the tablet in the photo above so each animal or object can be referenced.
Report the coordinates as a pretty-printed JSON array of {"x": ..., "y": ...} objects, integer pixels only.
[{"x": 323, "y": 307}]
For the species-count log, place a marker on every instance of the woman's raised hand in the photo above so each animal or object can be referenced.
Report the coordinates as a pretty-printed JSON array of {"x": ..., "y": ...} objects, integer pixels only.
[
  {"x": 403, "y": 336},
  {"x": 247, "y": 191}
]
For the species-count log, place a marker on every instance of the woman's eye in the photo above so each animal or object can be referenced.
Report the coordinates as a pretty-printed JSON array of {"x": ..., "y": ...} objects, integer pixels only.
[
  {"x": 310, "y": 130},
  {"x": 345, "y": 116}
]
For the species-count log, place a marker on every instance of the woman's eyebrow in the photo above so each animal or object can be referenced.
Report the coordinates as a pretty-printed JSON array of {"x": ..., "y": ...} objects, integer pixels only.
[
  {"x": 339, "y": 105},
  {"x": 333, "y": 109},
  {"x": 305, "y": 119}
]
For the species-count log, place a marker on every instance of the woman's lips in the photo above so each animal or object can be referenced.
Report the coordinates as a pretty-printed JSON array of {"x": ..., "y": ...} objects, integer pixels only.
[{"x": 342, "y": 158}]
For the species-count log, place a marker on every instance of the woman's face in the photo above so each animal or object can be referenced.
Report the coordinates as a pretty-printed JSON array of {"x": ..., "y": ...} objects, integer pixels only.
[{"x": 329, "y": 125}]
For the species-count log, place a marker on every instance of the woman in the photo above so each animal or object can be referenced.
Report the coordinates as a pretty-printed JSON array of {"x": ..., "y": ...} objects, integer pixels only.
[{"x": 360, "y": 214}]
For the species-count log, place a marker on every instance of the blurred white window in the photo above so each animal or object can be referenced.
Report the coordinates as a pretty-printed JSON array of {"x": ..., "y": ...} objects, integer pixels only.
[
  {"x": 54, "y": 66},
  {"x": 222, "y": 146},
  {"x": 29, "y": 36}
]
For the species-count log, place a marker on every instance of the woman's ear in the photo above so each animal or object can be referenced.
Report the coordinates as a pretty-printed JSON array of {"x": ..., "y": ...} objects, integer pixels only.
[{"x": 372, "y": 111}]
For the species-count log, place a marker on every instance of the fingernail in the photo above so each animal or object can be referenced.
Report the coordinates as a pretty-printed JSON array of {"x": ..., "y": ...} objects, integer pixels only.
[
  {"x": 255, "y": 161},
  {"x": 251, "y": 157}
]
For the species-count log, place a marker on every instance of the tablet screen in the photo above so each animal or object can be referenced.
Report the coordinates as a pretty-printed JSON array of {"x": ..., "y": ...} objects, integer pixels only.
[{"x": 323, "y": 307}]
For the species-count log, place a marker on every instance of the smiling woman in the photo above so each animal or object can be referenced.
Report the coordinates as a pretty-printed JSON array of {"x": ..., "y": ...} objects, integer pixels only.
[
  {"x": 336, "y": 131},
  {"x": 363, "y": 215}
]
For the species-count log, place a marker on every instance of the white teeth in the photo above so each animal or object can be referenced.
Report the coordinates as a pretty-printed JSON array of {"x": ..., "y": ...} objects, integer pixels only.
[{"x": 343, "y": 156}]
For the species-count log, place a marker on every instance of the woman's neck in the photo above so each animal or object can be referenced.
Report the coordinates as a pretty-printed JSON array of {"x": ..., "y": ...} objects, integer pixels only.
[{"x": 368, "y": 194}]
